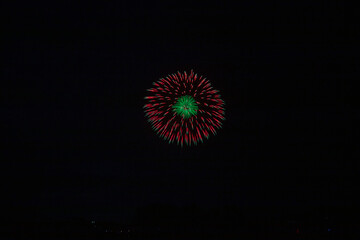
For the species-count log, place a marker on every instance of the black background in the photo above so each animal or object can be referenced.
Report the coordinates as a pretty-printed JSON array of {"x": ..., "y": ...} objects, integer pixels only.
[{"x": 78, "y": 147}]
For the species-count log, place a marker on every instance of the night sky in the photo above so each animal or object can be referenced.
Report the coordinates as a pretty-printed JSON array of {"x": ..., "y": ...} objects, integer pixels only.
[{"x": 77, "y": 143}]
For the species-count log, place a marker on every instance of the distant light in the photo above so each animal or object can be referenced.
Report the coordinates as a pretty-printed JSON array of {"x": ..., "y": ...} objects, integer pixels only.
[
  {"x": 329, "y": 229},
  {"x": 92, "y": 222},
  {"x": 129, "y": 230}
]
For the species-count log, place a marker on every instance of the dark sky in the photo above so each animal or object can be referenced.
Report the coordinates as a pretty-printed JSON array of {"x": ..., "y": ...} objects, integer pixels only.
[{"x": 77, "y": 143}]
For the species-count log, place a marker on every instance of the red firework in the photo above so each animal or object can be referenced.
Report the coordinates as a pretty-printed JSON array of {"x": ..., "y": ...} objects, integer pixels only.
[{"x": 184, "y": 108}]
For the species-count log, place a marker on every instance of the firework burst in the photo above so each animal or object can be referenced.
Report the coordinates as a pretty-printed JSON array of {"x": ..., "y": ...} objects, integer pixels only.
[{"x": 184, "y": 108}]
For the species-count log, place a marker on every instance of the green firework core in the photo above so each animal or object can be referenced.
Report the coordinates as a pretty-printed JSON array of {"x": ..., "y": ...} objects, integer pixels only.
[{"x": 185, "y": 107}]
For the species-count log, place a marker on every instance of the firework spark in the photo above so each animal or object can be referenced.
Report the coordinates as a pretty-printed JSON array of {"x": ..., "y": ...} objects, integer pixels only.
[{"x": 184, "y": 108}]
